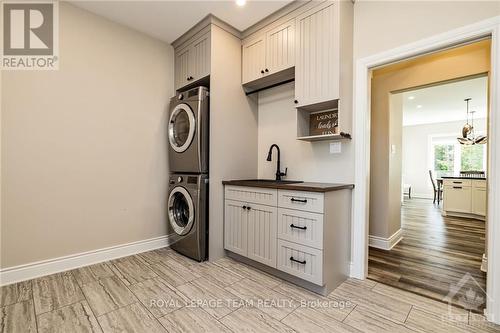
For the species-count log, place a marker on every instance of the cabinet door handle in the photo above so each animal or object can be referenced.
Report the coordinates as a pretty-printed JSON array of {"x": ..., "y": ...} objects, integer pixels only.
[
  {"x": 296, "y": 101},
  {"x": 457, "y": 187},
  {"x": 297, "y": 227},
  {"x": 298, "y": 200},
  {"x": 303, "y": 262},
  {"x": 262, "y": 71},
  {"x": 248, "y": 208},
  {"x": 244, "y": 207},
  {"x": 267, "y": 70}
]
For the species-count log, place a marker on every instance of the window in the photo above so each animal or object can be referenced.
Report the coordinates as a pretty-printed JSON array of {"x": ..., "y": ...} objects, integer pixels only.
[
  {"x": 444, "y": 158},
  {"x": 448, "y": 157},
  {"x": 472, "y": 158}
]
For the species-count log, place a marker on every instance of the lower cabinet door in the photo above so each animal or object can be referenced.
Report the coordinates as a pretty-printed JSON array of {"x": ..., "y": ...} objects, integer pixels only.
[
  {"x": 302, "y": 261},
  {"x": 262, "y": 233},
  {"x": 235, "y": 227},
  {"x": 479, "y": 201},
  {"x": 458, "y": 199}
]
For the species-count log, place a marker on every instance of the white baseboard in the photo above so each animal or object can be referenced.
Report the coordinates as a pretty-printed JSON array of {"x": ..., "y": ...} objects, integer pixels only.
[
  {"x": 385, "y": 243},
  {"x": 32, "y": 270}
]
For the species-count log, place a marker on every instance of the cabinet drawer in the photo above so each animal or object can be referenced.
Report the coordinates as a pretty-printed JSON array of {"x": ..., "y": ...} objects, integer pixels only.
[
  {"x": 301, "y": 227},
  {"x": 301, "y": 261},
  {"x": 457, "y": 182},
  {"x": 307, "y": 201},
  {"x": 458, "y": 199},
  {"x": 263, "y": 196},
  {"x": 479, "y": 183}
]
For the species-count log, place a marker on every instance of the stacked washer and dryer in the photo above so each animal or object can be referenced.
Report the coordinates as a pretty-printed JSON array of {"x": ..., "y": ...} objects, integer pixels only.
[{"x": 188, "y": 182}]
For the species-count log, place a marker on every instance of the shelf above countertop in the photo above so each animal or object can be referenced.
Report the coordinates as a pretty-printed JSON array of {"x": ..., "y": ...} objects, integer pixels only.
[{"x": 325, "y": 137}]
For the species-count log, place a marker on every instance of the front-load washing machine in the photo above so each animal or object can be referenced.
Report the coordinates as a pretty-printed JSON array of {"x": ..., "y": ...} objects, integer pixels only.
[
  {"x": 188, "y": 214},
  {"x": 188, "y": 131}
]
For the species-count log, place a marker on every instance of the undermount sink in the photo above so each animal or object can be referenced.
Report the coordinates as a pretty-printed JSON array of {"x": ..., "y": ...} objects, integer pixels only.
[{"x": 274, "y": 181}]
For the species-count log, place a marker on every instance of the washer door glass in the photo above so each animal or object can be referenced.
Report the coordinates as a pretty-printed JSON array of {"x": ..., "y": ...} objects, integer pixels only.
[
  {"x": 181, "y": 127},
  {"x": 180, "y": 211}
]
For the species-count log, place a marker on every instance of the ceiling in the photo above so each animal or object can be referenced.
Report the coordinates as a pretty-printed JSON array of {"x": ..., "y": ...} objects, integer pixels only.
[
  {"x": 445, "y": 103},
  {"x": 168, "y": 20}
]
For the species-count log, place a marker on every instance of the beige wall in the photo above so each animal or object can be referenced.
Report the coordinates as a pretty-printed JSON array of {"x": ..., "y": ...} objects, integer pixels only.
[
  {"x": 383, "y": 25},
  {"x": 305, "y": 160},
  {"x": 84, "y": 154},
  {"x": 385, "y": 167}
]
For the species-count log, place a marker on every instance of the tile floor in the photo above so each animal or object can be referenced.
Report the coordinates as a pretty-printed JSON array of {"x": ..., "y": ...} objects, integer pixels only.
[{"x": 162, "y": 291}]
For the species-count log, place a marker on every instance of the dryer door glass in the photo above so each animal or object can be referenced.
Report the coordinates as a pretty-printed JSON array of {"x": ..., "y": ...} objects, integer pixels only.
[
  {"x": 181, "y": 127},
  {"x": 180, "y": 211}
]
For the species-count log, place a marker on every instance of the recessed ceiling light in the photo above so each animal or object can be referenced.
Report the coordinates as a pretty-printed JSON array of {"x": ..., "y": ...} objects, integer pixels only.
[
  {"x": 419, "y": 106},
  {"x": 241, "y": 3},
  {"x": 411, "y": 97}
]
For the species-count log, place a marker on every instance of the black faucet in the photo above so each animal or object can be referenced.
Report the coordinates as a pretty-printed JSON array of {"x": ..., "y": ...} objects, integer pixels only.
[{"x": 279, "y": 174}]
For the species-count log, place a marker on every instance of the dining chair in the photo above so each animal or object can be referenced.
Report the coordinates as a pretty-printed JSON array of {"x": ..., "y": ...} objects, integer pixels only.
[{"x": 437, "y": 190}]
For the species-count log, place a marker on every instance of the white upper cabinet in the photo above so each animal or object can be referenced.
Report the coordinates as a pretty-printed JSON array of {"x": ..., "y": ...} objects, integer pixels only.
[
  {"x": 269, "y": 52},
  {"x": 182, "y": 67},
  {"x": 192, "y": 62},
  {"x": 253, "y": 59},
  {"x": 317, "y": 60},
  {"x": 200, "y": 60},
  {"x": 280, "y": 47}
]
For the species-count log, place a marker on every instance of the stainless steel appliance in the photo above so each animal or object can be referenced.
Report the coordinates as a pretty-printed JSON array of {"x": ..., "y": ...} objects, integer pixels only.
[
  {"x": 188, "y": 214},
  {"x": 188, "y": 131}
]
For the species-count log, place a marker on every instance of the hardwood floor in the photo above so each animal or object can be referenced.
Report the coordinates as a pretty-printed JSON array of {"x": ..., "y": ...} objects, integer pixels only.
[
  {"x": 162, "y": 291},
  {"x": 435, "y": 254}
]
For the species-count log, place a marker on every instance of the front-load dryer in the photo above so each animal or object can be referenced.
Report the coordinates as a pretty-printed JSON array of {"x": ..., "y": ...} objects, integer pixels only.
[
  {"x": 188, "y": 214},
  {"x": 188, "y": 131}
]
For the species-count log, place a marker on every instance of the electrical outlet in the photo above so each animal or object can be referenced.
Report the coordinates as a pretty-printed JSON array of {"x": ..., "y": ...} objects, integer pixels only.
[{"x": 335, "y": 147}]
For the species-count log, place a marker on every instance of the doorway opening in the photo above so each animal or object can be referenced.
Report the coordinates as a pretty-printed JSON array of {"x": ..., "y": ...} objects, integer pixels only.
[{"x": 428, "y": 197}]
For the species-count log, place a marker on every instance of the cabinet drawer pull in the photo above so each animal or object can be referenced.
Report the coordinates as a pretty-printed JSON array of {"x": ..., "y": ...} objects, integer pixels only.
[
  {"x": 298, "y": 200},
  {"x": 457, "y": 187},
  {"x": 303, "y": 262},
  {"x": 457, "y": 182},
  {"x": 297, "y": 227}
]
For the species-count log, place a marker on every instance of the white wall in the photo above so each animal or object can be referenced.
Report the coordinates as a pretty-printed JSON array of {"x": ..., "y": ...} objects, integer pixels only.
[
  {"x": 305, "y": 161},
  {"x": 84, "y": 149},
  {"x": 416, "y": 154}
]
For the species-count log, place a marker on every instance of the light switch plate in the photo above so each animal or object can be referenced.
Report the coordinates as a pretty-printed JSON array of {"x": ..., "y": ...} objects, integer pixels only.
[{"x": 335, "y": 147}]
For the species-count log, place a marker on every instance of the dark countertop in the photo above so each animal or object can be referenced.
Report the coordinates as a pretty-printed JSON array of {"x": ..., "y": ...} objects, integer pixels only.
[
  {"x": 306, "y": 186},
  {"x": 463, "y": 177}
]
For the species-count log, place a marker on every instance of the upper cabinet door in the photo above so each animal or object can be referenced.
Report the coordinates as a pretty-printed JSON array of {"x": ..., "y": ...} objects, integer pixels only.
[
  {"x": 254, "y": 59},
  {"x": 200, "y": 58},
  {"x": 280, "y": 47},
  {"x": 182, "y": 60},
  {"x": 317, "y": 59}
]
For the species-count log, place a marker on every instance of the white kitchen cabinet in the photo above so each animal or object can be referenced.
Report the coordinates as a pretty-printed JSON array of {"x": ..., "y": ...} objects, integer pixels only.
[
  {"x": 280, "y": 47},
  {"x": 261, "y": 230},
  {"x": 479, "y": 198},
  {"x": 253, "y": 59},
  {"x": 182, "y": 67},
  {"x": 465, "y": 197},
  {"x": 235, "y": 227},
  {"x": 192, "y": 61},
  {"x": 306, "y": 238},
  {"x": 458, "y": 199},
  {"x": 317, "y": 61},
  {"x": 268, "y": 53}
]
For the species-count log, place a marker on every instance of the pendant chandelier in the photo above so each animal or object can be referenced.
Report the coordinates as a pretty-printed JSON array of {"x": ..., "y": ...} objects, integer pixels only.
[{"x": 468, "y": 134}]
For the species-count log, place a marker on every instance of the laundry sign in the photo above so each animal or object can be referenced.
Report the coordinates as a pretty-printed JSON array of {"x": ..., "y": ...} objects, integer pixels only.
[{"x": 324, "y": 122}]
